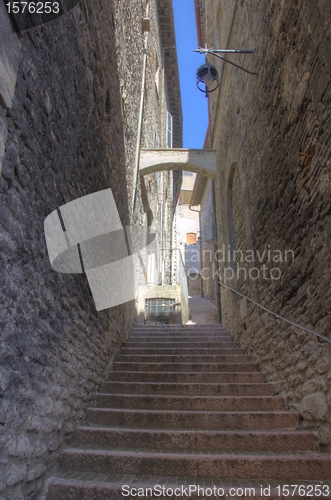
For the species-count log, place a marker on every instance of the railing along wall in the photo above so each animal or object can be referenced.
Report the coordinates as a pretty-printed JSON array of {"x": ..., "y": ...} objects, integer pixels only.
[{"x": 293, "y": 323}]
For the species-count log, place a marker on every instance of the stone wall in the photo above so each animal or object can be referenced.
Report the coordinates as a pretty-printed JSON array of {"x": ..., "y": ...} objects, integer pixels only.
[
  {"x": 9, "y": 56},
  {"x": 155, "y": 207},
  {"x": 65, "y": 140},
  {"x": 208, "y": 263},
  {"x": 272, "y": 135},
  {"x": 72, "y": 129}
]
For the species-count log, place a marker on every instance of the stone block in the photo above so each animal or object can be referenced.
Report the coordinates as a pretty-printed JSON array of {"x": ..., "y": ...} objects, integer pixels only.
[
  {"x": 322, "y": 365},
  {"x": 314, "y": 407},
  {"x": 19, "y": 446},
  {"x": 16, "y": 473},
  {"x": 35, "y": 473}
]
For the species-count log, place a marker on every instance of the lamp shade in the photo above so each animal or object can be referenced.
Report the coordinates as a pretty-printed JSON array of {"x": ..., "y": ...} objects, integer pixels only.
[{"x": 207, "y": 74}]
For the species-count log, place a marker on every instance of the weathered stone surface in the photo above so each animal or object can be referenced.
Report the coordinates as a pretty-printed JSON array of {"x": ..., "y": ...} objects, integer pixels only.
[
  {"x": 72, "y": 131},
  {"x": 322, "y": 366},
  {"x": 60, "y": 146},
  {"x": 192, "y": 160},
  {"x": 19, "y": 447},
  {"x": 3, "y": 138},
  {"x": 9, "y": 59},
  {"x": 272, "y": 136},
  {"x": 314, "y": 407},
  {"x": 16, "y": 473}
]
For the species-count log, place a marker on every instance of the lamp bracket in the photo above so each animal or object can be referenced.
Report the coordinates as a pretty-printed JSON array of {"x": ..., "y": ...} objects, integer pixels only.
[{"x": 217, "y": 52}]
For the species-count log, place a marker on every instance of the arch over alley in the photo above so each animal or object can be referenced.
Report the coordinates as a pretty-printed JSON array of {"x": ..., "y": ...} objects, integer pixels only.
[{"x": 201, "y": 161}]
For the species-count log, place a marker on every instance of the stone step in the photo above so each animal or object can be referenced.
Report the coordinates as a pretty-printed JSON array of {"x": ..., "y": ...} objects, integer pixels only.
[
  {"x": 201, "y": 403},
  {"x": 178, "y": 358},
  {"x": 212, "y": 440},
  {"x": 182, "y": 335},
  {"x": 184, "y": 367},
  {"x": 187, "y": 377},
  {"x": 105, "y": 486},
  {"x": 189, "y": 389},
  {"x": 186, "y": 402},
  {"x": 172, "y": 419},
  {"x": 180, "y": 344},
  {"x": 286, "y": 466},
  {"x": 179, "y": 328},
  {"x": 181, "y": 338},
  {"x": 181, "y": 350}
]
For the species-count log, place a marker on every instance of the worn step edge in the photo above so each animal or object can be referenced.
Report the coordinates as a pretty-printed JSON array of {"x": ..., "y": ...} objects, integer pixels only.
[
  {"x": 210, "y": 343},
  {"x": 181, "y": 338},
  {"x": 207, "y": 389},
  {"x": 238, "y": 440},
  {"x": 184, "y": 377},
  {"x": 182, "y": 350},
  {"x": 193, "y": 419},
  {"x": 182, "y": 341},
  {"x": 244, "y": 403},
  {"x": 184, "y": 367},
  {"x": 299, "y": 466},
  {"x": 146, "y": 358},
  {"x": 82, "y": 486}
]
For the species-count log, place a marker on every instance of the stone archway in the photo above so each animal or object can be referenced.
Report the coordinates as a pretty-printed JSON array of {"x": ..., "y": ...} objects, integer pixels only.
[{"x": 201, "y": 161}]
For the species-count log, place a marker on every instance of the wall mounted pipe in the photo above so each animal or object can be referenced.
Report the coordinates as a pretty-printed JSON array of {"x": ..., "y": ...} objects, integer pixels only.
[{"x": 140, "y": 120}]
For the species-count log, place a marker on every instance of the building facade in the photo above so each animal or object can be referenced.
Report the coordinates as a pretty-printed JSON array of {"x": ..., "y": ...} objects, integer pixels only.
[
  {"x": 272, "y": 132},
  {"x": 187, "y": 234},
  {"x": 71, "y": 111}
]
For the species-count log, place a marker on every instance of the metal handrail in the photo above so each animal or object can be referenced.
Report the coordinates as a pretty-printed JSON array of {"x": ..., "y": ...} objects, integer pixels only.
[{"x": 309, "y": 330}]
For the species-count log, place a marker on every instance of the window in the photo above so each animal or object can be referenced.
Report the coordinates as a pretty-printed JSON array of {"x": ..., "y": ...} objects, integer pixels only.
[
  {"x": 159, "y": 310},
  {"x": 187, "y": 197},
  {"x": 169, "y": 131},
  {"x": 191, "y": 238}
]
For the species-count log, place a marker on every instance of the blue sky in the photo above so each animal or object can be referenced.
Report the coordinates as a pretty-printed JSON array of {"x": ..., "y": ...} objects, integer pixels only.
[{"x": 194, "y": 103}]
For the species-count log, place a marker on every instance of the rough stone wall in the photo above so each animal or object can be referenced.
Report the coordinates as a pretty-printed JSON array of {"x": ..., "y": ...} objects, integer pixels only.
[
  {"x": 72, "y": 130},
  {"x": 275, "y": 129},
  {"x": 155, "y": 207},
  {"x": 68, "y": 135},
  {"x": 208, "y": 264},
  {"x": 9, "y": 55}
]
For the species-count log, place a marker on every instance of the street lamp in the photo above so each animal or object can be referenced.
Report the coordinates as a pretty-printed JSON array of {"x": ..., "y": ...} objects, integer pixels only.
[{"x": 207, "y": 73}]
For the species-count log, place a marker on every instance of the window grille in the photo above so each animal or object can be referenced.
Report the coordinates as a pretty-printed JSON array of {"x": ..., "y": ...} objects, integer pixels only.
[{"x": 160, "y": 311}]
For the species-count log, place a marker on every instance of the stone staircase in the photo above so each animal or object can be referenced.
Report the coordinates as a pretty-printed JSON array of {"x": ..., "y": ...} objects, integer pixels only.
[{"x": 185, "y": 409}]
